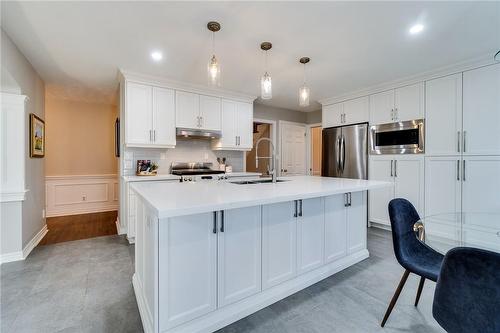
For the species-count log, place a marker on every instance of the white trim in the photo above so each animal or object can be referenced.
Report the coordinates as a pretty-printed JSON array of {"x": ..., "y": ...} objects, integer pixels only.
[
  {"x": 125, "y": 75},
  {"x": 13, "y": 196},
  {"x": 34, "y": 241},
  {"x": 146, "y": 318},
  {"x": 14, "y": 99},
  {"x": 21, "y": 255},
  {"x": 119, "y": 229},
  {"x": 463, "y": 66},
  {"x": 379, "y": 225},
  {"x": 308, "y": 146}
]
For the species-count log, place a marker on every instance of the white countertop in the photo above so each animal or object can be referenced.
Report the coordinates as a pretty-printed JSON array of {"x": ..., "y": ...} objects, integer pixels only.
[
  {"x": 176, "y": 199},
  {"x": 150, "y": 178}
]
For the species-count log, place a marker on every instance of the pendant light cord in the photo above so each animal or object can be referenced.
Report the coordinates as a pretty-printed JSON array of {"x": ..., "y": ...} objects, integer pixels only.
[
  {"x": 304, "y": 81},
  {"x": 213, "y": 42}
]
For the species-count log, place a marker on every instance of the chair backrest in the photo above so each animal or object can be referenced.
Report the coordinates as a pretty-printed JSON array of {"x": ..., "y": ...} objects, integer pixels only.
[
  {"x": 467, "y": 296},
  {"x": 403, "y": 216}
]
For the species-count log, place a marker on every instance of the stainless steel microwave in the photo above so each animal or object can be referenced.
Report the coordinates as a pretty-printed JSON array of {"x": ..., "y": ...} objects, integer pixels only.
[{"x": 405, "y": 137}]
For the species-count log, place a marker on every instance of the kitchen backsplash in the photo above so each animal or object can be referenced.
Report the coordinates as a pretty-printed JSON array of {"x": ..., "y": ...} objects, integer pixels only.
[{"x": 186, "y": 150}]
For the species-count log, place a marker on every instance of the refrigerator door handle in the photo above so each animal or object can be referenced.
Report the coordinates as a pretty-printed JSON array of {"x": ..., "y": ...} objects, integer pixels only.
[
  {"x": 343, "y": 153},
  {"x": 338, "y": 154}
]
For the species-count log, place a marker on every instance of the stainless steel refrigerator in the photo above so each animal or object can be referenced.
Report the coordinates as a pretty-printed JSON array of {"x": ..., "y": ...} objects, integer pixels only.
[{"x": 345, "y": 152}]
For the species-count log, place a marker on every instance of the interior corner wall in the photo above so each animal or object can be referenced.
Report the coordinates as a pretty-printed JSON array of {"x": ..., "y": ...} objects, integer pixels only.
[{"x": 31, "y": 85}]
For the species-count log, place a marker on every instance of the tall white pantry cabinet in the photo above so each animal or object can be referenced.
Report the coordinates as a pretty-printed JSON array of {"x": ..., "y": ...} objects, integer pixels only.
[{"x": 462, "y": 163}]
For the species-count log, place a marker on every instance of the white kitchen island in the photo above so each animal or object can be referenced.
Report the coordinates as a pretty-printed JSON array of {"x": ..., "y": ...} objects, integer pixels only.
[{"x": 210, "y": 253}]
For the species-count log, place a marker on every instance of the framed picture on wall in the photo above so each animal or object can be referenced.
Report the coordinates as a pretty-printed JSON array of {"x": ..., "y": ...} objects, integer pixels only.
[{"x": 37, "y": 136}]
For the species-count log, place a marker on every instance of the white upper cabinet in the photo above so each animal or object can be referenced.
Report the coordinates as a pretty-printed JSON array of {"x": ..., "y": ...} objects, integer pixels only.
[
  {"x": 353, "y": 111},
  {"x": 443, "y": 114},
  {"x": 210, "y": 113},
  {"x": 401, "y": 104},
  {"x": 356, "y": 111},
  {"x": 332, "y": 115},
  {"x": 237, "y": 126},
  {"x": 382, "y": 107},
  {"x": 409, "y": 102},
  {"x": 481, "y": 111},
  {"x": 149, "y": 116},
  {"x": 187, "y": 109}
]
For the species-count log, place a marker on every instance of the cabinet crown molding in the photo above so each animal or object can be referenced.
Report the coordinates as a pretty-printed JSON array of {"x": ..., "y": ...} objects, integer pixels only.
[{"x": 124, "y": 75}]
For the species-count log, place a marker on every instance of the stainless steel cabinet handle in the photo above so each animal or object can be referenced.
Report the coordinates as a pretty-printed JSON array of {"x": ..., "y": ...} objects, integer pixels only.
[
  {"x": 458, "y": 141},
  {"x": 150, "y": 136},
  {"x": 221, "y": 221},
  {"x": 300, "y": 209},
  {"x": 396, "y": 114},
  {"x": 346, "y": 200},
  {"x": 214, "y": 229},
  {"x": 350, "y": 199},
  {"x": 463, "y": 171},
  {"x": 295, "y": 213},
  {"x": 465, "y": 141},
  {"x": 458, "y": 169},
  {"x": 154, "y": 135},
  {"x": 392, "y": 161},
  {"x": 392, "y": 116},
  {"x": 395, "y": 168},
  {"x": 239, "y": 140},
  {"x": 201, "y": 121}
]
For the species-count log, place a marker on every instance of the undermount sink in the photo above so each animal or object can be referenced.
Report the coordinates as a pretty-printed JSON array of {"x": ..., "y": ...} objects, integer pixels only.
[{"x": 263, "y": 181}]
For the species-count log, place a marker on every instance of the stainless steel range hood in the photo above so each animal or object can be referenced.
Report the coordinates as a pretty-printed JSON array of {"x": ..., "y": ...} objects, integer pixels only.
[{"x": 198, "y": 133}]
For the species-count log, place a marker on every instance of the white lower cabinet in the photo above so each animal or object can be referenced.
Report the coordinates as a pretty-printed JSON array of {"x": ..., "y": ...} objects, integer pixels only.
[
  {"x": 356, "y": 222},
  {"x": 188, "y": 273},
  {"x": 239, "y": 254},
  {"x": 310, "y": 234},
  {"x": 406, "y": 172},
  {"x": 279, "y": 243},
  {"x": 335, "y": 227}
]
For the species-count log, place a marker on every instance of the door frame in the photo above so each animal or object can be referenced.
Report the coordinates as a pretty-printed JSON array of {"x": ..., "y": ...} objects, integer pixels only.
[
  {"x": 308, "y": 147},
  {"x": 281, "y": 124},
  {"x": 273, "y": 139}
]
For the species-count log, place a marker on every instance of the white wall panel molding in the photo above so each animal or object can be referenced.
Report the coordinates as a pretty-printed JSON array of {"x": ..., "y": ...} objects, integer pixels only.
[
  {"x": 80, "y": 194},
  {"x": 481, "y": 61}
]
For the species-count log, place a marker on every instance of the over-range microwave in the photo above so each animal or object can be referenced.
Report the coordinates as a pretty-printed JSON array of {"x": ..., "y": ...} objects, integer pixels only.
[{"x": 405, "y": 137}]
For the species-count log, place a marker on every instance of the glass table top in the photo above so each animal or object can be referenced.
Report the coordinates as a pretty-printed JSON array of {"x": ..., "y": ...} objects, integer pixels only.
[{"x": 443, "y": 232}]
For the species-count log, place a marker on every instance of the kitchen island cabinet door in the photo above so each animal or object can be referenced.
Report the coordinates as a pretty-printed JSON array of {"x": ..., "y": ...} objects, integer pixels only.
[
  {"x": 310, "y": 234},
  {"x": 335, "y": 227},
  {"x": 187, "y": 273},
  {"x": 239, "y": 253},
  {"x": 356, "y": 222},
  {"x": 279, "y": 243}
]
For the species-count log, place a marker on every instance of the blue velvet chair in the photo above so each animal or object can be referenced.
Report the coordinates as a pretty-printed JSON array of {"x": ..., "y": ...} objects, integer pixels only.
[
  {"x": 413, "y": 255},
  {"x": 467, "y": 296}
]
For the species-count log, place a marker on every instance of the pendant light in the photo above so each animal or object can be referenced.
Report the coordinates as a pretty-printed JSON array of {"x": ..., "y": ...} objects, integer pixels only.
[
  {"x": 266, "y": 86},
  {"x": 213, "y": 67},
  {"x": 304, "y": 91}
]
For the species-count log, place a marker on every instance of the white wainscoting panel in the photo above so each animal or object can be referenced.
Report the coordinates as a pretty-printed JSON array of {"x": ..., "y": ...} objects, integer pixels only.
[{"x": 70, "y": 195}]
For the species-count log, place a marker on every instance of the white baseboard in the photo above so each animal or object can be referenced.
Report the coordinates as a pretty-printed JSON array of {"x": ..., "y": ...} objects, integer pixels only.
[
  {"x": 119, "y": 229},
  {"x": 21, "y": 255},
  {"x": 380, "y": 225}
]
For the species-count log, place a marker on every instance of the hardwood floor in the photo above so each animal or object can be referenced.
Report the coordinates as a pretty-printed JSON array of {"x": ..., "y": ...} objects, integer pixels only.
[{"x": 74, "y": 227}]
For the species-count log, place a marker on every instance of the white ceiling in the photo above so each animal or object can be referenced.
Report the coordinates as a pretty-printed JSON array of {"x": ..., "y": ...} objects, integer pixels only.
[{"x": 352, "y": 45}]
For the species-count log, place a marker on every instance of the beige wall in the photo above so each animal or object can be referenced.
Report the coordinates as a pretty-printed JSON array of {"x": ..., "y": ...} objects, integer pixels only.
[{"x": 80, "y": 137}]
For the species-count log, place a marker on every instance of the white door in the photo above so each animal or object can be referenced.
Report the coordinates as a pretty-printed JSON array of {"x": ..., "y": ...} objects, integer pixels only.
[
  {"x": 187, "y": 109},
  {"x": 229, "y": 130},
  {"x": 332, "y": 115},
  {"x": 293, "y": 149},
  {"x": 138, "y": 117},
  {"x": 409, "y": 180},
  {"x": 409, "y": 102},
  {"x": 310, "y": 234},
  {"x": 481, "y": 114},
  {"x": 382, "y": 107},
  {"x": 335, "y": 227},
  {"x": 356, "y": 222},
  {"x": 163, "y": 117},
  {"x": 443, "y": 115},
  {"x": 188, "y": 289},
  {"x": 239, "y": 253},
  {"x": 244, "y": 124},
  {"x": 443, "y": 196},
  {"x": 381, "y": 168},
  {"x": 279, "y": 243},
  {"x": 356, "y": 110},
  {"x": 210, "y": 113}
]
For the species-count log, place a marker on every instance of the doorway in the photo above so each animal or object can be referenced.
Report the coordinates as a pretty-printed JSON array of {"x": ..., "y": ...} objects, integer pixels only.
[
  {"x": 315, "y": 150},
  {"x": 293, "y": 148},
  {"x": 261, "y": 129}
]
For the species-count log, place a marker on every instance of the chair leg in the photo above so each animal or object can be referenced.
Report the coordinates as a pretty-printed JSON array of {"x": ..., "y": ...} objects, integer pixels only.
[
  {"x": 395, "y": 297},
  {"x": 419, "y": 291}
]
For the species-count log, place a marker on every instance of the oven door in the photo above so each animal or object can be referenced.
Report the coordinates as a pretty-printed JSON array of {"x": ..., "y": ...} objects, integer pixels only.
[{"x": 406, "y": 137}]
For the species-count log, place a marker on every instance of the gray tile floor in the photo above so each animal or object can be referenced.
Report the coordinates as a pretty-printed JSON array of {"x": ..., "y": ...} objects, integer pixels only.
[{"x": 85, "y": 286}]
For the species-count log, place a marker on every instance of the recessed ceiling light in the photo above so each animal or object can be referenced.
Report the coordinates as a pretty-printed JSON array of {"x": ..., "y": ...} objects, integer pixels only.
[
  {"x": 156, "y": 55},
  {"x": 417, "y": 28}
]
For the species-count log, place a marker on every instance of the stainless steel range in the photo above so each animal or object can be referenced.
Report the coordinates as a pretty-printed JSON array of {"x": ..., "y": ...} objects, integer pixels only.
[{"x": 196, "y": 171}]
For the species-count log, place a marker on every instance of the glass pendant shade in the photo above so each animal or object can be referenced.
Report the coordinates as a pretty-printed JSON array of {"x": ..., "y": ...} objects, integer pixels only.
[
  {"x": 214, "y": 71},
  {"x": 266, "y": 86},
  {"x": 304, "y": 93}
]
